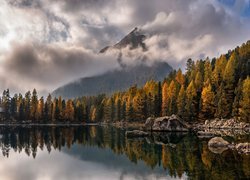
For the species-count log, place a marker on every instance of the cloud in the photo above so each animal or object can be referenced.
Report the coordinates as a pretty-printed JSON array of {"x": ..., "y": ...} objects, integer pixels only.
[
  {"x": 46, "y": 43},
  {"x": 48, "y": 66}
]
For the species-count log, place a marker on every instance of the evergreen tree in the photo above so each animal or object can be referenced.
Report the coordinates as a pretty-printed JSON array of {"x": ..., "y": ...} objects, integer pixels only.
[
  {"x": 27, "y": 105},
  {"x": 41, "y": 109},
  {"x": 34, "y": 106},
  {"x": 6, "y": 103},
  {"x": 13, "y": 106}
]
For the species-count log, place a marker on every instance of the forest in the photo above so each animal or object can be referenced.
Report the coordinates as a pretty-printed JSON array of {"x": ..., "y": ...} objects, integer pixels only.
[{"x": 209, "y": 88}]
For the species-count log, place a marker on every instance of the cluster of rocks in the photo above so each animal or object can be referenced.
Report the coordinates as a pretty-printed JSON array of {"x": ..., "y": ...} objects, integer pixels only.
[
  {"x": 226, "y": 124},
  {"x": 208, "y": 133},
  {"x": 161, "y": 124},
  {"x": 218, "y": 145},
  {"x": 166, "y": 123}
]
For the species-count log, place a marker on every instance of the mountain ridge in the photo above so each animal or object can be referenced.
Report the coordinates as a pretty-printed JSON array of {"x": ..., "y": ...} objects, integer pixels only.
[{"x": 119, "y": 79}]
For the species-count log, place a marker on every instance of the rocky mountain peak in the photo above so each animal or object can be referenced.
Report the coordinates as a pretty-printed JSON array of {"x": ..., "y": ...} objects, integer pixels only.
[{"x": 134, "y": 39}]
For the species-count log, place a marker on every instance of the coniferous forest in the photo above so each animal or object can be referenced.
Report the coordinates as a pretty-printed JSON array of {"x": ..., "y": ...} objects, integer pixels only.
[{"x": 209, "y": 88}]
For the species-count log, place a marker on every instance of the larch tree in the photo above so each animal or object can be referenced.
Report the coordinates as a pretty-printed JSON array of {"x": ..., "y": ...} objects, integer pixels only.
[
  {"x": 229, "y": 84},
  {"x": 165, "y": 99},
  {"x": 172, "y": 91},
  {"x": 191, "y": 102},
  {"x": 245, "y": 101},
  {"x": 180, "y": 78},
  {"x": 218, "y": 71},
  {"x": 207, "y": 98},
  {"x": 181, "y": 102}
]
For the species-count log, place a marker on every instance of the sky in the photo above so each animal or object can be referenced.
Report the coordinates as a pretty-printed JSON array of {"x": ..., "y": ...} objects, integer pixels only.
[{"x": 47, "y": 43}]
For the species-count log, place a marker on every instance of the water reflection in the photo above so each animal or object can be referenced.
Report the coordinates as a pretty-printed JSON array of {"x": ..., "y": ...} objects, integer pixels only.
[{"x": 94, "y": 152}]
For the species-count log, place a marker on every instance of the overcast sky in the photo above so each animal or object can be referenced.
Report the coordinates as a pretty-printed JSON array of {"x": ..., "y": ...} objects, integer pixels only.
[{"x": 46, "y": 43}]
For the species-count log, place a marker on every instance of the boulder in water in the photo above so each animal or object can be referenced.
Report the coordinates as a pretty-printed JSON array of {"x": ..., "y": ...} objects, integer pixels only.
[
  {"x": 217, "y": 145},
  {"x": 169, "y": 123}
]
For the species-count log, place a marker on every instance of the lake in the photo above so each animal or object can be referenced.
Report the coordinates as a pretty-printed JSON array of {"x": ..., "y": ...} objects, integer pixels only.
[{"x": 103, "y": 152}]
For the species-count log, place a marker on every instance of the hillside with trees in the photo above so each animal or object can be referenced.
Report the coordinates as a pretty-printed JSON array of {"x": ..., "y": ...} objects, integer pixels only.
[{"x": 209, "y": 88}]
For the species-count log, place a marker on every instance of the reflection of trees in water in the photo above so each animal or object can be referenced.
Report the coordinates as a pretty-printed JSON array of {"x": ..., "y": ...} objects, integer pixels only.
[{"x": 176, "y": 153}]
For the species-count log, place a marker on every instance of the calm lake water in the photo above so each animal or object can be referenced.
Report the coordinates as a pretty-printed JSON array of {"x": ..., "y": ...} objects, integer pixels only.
[{"x": 95, "y": 152}]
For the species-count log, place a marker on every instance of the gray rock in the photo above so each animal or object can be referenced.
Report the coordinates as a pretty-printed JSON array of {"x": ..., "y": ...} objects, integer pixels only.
[
  {"x": 226, "y": 124},
  {"x": 243, "y": 148},
  {"x": 205, "y": 134},
  {"x": 169, "y": 123},
  {"x": 217, "y": 145},
  {"x": 136, "y": 133},
  {"x": 217, "y": 142},
  {"x": 149, "y": 123}
]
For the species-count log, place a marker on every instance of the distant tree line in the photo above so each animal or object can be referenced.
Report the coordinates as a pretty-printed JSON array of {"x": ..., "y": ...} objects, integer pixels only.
[{"x": 217, "y": 88}]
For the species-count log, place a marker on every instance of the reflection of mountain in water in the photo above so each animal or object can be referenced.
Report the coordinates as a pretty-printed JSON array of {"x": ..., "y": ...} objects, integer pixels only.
[
  {"x": 173, "y": 154},
  {"x": 107, "y": 158}
]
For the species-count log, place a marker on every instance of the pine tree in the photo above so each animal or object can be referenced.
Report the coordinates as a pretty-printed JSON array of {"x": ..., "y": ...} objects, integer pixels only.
[
  {"x": 56, "y": 114},
  {"x": 27, "y": 105},
  {"x": 6, "y": 103},
  {"x": 49, "y": 105},
  {"x": 13, "y": 106},
  {"x": 41, "y": 109},
  {"x": 34, "y": 105}
]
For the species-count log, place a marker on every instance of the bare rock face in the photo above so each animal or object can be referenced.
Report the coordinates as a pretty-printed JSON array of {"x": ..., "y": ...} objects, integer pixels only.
[
  {"x": 166, "y": 123},
  {"x": 136, "y": 133}
]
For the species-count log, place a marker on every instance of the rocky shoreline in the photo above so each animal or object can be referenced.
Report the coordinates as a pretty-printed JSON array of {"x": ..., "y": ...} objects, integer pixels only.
[{"x": 213, "y": 130}]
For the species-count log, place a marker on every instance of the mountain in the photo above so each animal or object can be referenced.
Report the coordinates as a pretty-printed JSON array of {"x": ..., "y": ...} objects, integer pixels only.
[
  {"x": 118, "y": 80},
  {"x": 113, "y": 81},
  {"x": 134, "y": 39}
]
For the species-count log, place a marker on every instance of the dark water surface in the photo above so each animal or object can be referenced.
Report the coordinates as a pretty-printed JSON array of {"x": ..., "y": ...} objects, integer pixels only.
[{"x": 95, "y": 152}]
